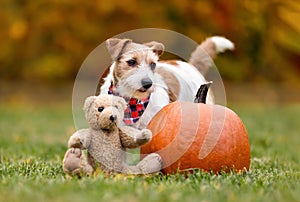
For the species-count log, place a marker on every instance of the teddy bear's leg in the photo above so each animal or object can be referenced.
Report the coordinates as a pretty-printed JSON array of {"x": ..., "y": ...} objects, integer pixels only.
[
  {"x": 87, "y": 168},
  {"x": 71, "y": 162},
  {"x": 75, "y": 163},
  {"x": 150, "y": 164}
]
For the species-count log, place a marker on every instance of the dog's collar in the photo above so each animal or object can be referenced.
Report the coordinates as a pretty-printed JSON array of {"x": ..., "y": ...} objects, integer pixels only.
[{"x": 135, "y": 107}]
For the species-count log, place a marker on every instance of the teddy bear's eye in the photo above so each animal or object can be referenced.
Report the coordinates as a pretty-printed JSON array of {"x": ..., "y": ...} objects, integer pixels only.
[
  {"x": 100, "y": 109},
  {"x": 116, "y": 106}
]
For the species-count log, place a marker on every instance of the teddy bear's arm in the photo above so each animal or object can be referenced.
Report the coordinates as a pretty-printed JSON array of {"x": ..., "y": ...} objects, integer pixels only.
[
  {"x": 132, "y": 138},
  {"x": 80, "y": 139}
]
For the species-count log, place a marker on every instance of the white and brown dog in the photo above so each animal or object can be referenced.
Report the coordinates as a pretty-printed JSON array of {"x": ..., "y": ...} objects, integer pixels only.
[{"x": 149, "y": 84}]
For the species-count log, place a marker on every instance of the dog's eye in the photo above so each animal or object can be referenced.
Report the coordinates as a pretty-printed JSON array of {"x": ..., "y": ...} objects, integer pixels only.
[
  {"x": 100, "y": 109},
  {"x": 152, "y": 65},
  {"x": 116, "y": 106},
  {"x": 131, "y": 62}
]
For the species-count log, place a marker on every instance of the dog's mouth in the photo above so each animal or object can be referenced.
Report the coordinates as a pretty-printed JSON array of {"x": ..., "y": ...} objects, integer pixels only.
[
  {"x": 142, "y": 90},
  {"x": 142, "y": 93}
]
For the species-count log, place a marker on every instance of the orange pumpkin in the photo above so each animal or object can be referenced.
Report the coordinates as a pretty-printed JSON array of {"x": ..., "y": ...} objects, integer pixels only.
[{"x": 195, "y": 135}]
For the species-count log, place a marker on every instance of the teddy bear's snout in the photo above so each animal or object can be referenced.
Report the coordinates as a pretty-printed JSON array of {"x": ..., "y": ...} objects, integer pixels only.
[
  {"x": 108, "y": 118},
  {"x": 113, "y": 118}
]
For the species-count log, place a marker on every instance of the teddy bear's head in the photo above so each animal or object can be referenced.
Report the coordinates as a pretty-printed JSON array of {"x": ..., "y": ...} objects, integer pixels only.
[{"x": 104, "y": 112}]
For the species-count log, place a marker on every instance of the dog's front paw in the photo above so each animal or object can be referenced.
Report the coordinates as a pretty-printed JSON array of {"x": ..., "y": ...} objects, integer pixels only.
[{"x": 144, "y": 137}]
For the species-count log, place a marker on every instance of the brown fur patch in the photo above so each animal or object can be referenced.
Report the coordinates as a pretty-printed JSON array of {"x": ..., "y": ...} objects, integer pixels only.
[
  {"x": 210, "y": 48},
  {"x": 201, "y": 58},
  {"x": 170, "y": 62},
  {"x": 101, "y": 80},
  {"x": 172, "y": 83}
]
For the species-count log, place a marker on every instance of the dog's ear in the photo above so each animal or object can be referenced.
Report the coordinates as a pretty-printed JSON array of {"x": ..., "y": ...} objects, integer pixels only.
[
  {"x": 116, "y": 46},
  {"x": 158, "y": 48}
]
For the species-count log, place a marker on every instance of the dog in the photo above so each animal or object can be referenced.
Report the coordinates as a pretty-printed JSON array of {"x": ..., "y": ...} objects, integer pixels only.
[{"x": 148, "y": 84}]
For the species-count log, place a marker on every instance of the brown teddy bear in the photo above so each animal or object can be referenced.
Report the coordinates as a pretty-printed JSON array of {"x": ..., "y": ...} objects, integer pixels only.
[{"x": 106, "y": 141}]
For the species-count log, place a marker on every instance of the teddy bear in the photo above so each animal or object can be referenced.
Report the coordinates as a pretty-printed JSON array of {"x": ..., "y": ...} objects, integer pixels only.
[{"x": 106, "y": 140}]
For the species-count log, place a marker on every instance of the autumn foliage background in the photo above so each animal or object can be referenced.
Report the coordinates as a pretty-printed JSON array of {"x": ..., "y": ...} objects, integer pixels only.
[{"x": 46, "y": 41}]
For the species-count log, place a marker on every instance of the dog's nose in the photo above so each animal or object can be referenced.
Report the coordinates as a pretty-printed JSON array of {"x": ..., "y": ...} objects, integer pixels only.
[
  {"x": 112, "y": 118},
  {"x": 146, "y": 83}
]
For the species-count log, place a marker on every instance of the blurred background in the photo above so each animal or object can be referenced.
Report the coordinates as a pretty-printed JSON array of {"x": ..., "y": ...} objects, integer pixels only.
[{"x": 44, "y": 42}]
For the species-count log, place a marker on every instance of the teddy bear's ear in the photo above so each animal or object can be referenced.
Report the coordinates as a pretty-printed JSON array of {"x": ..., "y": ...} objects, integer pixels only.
[
  {"x": 158, "y": 48},
  {"x": 88, "y": 102},
  {"x": 121, "y": 103}
]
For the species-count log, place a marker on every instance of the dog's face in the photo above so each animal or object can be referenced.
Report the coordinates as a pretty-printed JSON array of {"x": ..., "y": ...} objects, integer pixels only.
[
  {"x": 134, "y": 66},
  {"x": 134, "y": 72}
]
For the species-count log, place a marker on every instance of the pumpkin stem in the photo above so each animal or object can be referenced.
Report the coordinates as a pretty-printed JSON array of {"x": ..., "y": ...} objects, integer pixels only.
[{"x": 202, "y": 93}]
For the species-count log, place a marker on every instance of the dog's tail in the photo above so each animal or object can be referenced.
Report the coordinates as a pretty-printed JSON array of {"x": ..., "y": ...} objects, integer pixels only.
[{"x": 202, "y": 57}]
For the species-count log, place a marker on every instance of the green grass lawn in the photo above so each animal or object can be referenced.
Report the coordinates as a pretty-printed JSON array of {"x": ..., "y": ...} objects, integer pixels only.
[{"x": 33, "y": 142}]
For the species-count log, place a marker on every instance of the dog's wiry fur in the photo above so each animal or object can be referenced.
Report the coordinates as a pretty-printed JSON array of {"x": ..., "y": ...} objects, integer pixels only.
[
  {"x": 127, "y": 79},
  {"x": 137, "y": 72}
]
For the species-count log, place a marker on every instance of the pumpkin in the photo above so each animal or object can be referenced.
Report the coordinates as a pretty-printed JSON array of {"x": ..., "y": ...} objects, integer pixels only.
[{"x": 195, "y": 135}]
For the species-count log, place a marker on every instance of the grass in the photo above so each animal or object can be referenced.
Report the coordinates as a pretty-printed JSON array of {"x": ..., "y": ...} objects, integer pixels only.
[{"x": 33, "y": 142}]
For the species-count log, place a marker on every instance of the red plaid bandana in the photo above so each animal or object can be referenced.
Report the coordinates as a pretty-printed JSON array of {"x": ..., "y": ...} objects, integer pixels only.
[{"x": 135, "y": 108}]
